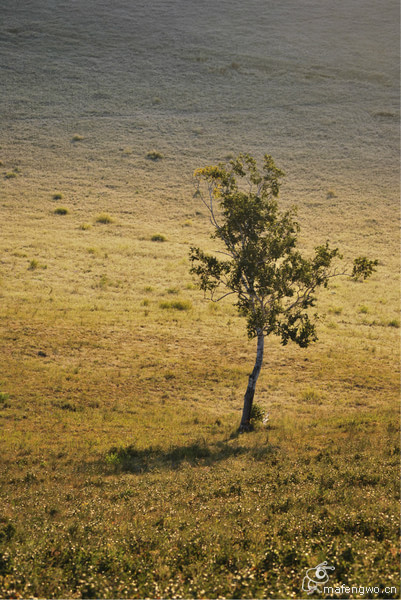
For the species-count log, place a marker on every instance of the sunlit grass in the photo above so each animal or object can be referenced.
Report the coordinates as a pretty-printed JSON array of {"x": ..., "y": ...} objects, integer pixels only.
[{"x": 122, "y": 474}]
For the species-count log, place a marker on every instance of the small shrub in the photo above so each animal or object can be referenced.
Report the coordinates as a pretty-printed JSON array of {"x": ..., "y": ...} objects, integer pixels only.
[
  {"x": 394, "y": 323},
  {"x": 104, "y": 219},
  {"x": 126, "y": 459},
  {"x": 176, "y": 305},
  {"x": 158, "y": 237},
  {"x": 77, "y": 137},
  {"x": 85, "y": 226},
  {"x": 33, "y": 265},
  {"x": 61, "y": 210},
  {"x": 112, "y": 458},
  {"x": 154, "y": 155},
  {"x": 257, "y": 413},
  {"x": 10, "y": 175},
  {"x": 57, "y": 196},
  {"x": 363, "y": 309}
]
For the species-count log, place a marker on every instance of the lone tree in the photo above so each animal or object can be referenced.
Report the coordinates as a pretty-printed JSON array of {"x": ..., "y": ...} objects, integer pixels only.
[{"x": 273, "y": 283}]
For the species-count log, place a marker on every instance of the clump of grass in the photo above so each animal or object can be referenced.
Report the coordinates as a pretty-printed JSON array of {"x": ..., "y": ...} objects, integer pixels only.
[
  {"x": 331, "y": 194},
  {"x": 145, "y": 302},
  {"x": 311, "y": 395},
  {"x": 169, "y": 375},
  {"x": 68, "y": 406},
  {"x": 104, "y": 219},
  {"x": 57, "y": 196},
  {"x": 85, "y": 226},
  {"x": 154, "y": 155},
  {"x": 10, "y": 175},
  {"x": 77, "y": 137},
  {"x": 33, "y": 265},
  {"x": 173, "y": 290},
  {"x": 104, "y": 282},
  {"x": 336, "y": 310},
  {"x": 3, "y": 398},
  {"x": 394, "y": 323},
  {"x": 187, "y": 223},
  {"x": 158, "y": 237},
  {"x": 61, "y": 210},
  {"x": 176, "y": 305},
  {"x": 363, "y": 309}
]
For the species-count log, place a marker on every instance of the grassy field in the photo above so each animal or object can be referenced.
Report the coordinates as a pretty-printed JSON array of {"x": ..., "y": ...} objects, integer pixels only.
[{"x": 122, "y": 475}]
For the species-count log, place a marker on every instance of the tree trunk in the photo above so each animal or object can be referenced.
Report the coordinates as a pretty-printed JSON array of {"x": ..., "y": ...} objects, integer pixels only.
[{"x": 245, "y": 424}]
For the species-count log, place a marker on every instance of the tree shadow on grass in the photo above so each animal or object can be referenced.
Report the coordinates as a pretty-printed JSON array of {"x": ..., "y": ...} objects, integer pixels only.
[{"x": 133, "y": 460}]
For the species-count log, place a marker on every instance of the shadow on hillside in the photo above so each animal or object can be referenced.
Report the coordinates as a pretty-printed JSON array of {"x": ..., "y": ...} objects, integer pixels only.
[{"x": 133, "y": 460}]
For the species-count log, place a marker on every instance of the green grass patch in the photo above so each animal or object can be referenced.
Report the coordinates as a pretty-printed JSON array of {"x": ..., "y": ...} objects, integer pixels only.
[{"x": 176, "y": 305}]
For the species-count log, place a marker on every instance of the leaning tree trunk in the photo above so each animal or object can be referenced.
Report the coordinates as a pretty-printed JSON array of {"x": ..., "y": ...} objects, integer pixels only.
[{"x": 245, "y": 424}]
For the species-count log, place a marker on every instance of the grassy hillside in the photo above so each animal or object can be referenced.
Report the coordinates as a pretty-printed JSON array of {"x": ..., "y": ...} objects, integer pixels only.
[{"x": 120, "y": 387}]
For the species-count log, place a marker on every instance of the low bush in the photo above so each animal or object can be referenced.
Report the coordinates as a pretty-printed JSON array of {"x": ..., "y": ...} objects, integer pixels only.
[{"x": 154, "y": 155}]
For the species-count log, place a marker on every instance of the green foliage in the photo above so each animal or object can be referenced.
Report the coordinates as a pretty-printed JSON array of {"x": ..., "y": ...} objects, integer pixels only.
[
  {"x": 61, "y": 210},
  {"x": 363, "y": 267},
  {"x": 274, "y": 284},
  {"x": 257, "y": 413},
  {"x": 158, "y": 237}
]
